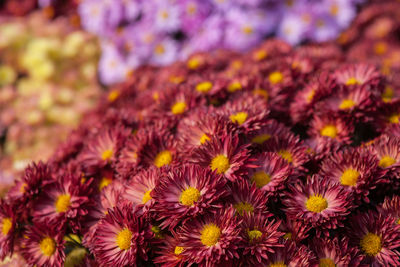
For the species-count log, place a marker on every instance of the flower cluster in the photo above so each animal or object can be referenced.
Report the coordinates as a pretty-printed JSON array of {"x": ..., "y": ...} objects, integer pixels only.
[
  {"x": 275, "y": 157},
  {"x": 47, "y": 81},
  {"x": 50, "y": 7},
  {"x": 160, "y": 32}
]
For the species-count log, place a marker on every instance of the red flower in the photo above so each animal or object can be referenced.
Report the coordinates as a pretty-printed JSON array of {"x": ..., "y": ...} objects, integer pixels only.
[{"x": 8, "y": 221}]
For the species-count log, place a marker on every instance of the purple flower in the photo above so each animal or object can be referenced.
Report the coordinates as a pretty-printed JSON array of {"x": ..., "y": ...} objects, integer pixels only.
[{"x": 112, "y": 68}]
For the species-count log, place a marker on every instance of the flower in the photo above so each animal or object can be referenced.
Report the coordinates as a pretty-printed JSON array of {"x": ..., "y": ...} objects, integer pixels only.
[
  {"x": 387, "y": 153},
  {"x": 211, "y": 239},
  {"x": 8, "y": 222},
  {"x": 357, "y": 74},
  {"x": 260, "y": 237},
  {"x": 43, "y": 245},
  {"x": 377, "y": 237},
  {"x": 223, "y": 155},
  {"x": 170, "y": 253},
  {"x": 319, "y": 203},
  {"x": 120, "y": 237},
  {"x": 187, "y": 192},
  {"x": 291, "y": 255},
  {"x": 391, "y": 207}
]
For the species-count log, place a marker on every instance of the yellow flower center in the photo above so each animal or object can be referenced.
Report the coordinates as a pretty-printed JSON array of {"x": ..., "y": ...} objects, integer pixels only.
[
  {"x": 288, "y": 236},
  {"x": 260, "y": 55},
  {"x": 189, "y": 196},
  {"x": 178, "y": 250},
  {"x": 220, "y": 163},
  {"x": 176, "y": 79},
  {"x": 239, "y": 117},
  {"x": 310, "y": 96},
  {"x": 275, "y": 77},
  {"x": 157, "y": 232},
  {"x": 259, "y": 139},
  {"x": 349, "y": 177},
  {"x": 394, "y": 118},
  {"x": 386, "y": 161},
  {"x": 278, "y": 264},
  {"x": 210, "y": 235},
  {"x": 23, "y": 187},
  {"x": 261, "y": 178},
  {"x": 347, "y": 104},
  {"x": 286, "y": 155},
  {"x": 380, "y": 48},
  {"x": 234, "y": 86},
  {"x": 159, "y": 49},
  {"x": 204, "y": 87},
  {"x": 6, "y": 226},
  {"x": 398, "y": 221},
  {"x": 352, "y": 81},
  {"x": 107, "y": 154},
  {"x": 204, "y": 138},
  {"x": 326, "y": 263},
  {"x": 261, "y": 92},
  {"x": 334, "y": 10},
  {"x": 248, "y": 30},
  {"x": 371, "y": 244},
  {"x": 113, "y": 95},
  {"x": 124, "y": 238},
  {"x": 178, "y": 108},
  {"x": 194, "y": 63},
  {"x": 163, "y": 158},
  {"x": 48, "y": 246},
  {"x": 387, "y": 94},
  {"x": 241, "y": 207},
  {"x": 316, "y": 203},
  {"x": 254, "y": 235},
  {"x": 146, "y": 197},
  {"x": 105, "y": 181},
  {"x": 62, "y": 203},
  {"x": 329, "y": 131}
]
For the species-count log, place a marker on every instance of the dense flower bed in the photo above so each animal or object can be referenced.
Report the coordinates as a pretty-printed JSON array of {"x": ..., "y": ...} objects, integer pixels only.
[
  {"x": 160, "y": 32},
  {"x": 47, "y": 81},
  {"x": 277, "y": 157}
]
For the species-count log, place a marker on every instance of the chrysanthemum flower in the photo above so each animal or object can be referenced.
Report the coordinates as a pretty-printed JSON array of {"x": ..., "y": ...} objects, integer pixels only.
[
  {"x": 121, "y": 237},
  {"x": 246, "y": 110},
  {"x": 224, "y": 155},
  {"x": 356, "y": 170},
  {"x": 64, "y": 200},
  {"x": 377, "y": 237},
  {"x": 291, "y": 255},
  {"x": 211, "y": 239},
  {"x": 43, "y": 245},
  {"x": 319, "y": 203},
  {"x": 187, "y": 192},
  {"x": 302, "y": 108},
  {"x": 101, "y": 150},
  {"x": 139, "y": 189},
  {"x": 333, "y": 127},
  {"x": 358, "y": 74},
  {"x": 391, "y": 207},
  {"x": 387, "y": 151},
  {"x": 271, "y": 128},
  {"x": 260, "y": 236},
  {"x": 294, "y": 230},
  {"x": 170, "y": 253},
  {"x": 200, "y": 127},
  {"x": 8, "y": 220},
  {"x": 246, "y": 198},
  {"x": 334, "y": 252},
  {"x": 271, "y": 173},
  {"x": 148, "y": 147},
  {"x": 290, "y": 148}
]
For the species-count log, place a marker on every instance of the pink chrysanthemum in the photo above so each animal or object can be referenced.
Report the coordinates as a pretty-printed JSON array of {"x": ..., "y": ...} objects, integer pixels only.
[
  {"x": 294, "y": 230},
  {"x": 101, "y": 149},
  {"x": 120, "y": 238},
  {"x": 170, "y": 253},
  {"x": 356, "y": 170},
  {"x": 377, "y": 237},
  {"x": 260, "y": 237},
  {"x": 332, "y": 252},
  {"x": 43, "y": 245},
  {"x": 391, "y": 207},
  {"x": 187, "y": 192},
  {"x": 246, "y": 198},
  {"x": 331, "y": 127},
  {"x": 200, "y": 127},
  {"x": 139, "y": 190},
  {"x": 151, "y": 146},
  {"x": 291, "y": 255},
  {"x": 224, "y": 156},
  {"x": 8, "y": 221},
  {"x": 319, "y": 203},
  {"x": 387, "y": 151},
  {"x": 246, "y": 111},
  {"x": 271, "y": 173},
  {"x": 212, "y": 239},
  {"x": 358, "y": 75},
  {"x": 64, "y": 200},
  {"x": 270, "y": 128}
]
